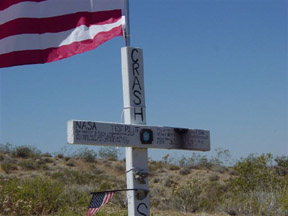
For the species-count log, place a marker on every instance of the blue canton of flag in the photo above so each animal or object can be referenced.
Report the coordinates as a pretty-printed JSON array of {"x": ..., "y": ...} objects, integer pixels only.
[{"x": 98, "y": 201}]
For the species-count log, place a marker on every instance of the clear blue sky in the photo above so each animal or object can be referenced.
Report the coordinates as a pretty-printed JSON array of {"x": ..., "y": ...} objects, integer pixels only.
[{"x": 219, "y": 65}]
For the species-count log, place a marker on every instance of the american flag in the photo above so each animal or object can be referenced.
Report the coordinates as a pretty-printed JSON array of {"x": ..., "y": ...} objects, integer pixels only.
[
  {"x": 40, "y": 31},
  {"x": 98, "y": 201}
]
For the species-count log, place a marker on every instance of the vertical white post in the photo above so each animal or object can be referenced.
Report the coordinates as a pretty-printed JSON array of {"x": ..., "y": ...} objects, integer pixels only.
[{"x": 134, "y": 113}]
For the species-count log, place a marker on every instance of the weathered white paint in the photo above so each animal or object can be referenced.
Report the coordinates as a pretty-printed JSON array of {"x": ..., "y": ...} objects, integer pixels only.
[
  {"x": 126, "y": 135},
  {"x": 135, "y": 113},
  {"x": 133, "y": 86}
]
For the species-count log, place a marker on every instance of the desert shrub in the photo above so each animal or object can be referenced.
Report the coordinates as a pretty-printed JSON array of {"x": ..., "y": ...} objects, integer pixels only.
[
  {"x": 45, "y": 160},
  {"x": 29, "y": 165},
  {"x": 5, "y": 148},
  {"x": 67, "y": 176},
  {"x": 77, "y": 199},
  {"x": 212, "y": 196},
  {"x": 232, "y": 172},
  {"x": 156, "y": 180},
  {"x": 184, "y": 161},
  {"x": 256, "y": 189},
  {"x": 173, "y": 167},
  {"x": 214, "y": 177},
  {"x": 120, "y": 168},
  {"x": 192, "y": 161},
  {"x": 110, "y": 153},
  {"x": 47, "y": 154},
  {"x": 159, "y": 198},
  {"x": 282, "y": 161},
  {"x": 282, "y": 165},
  {"x": 205, "y": 162},
  {"x": 254, "y": 173},
  {"x": 43, "y": 196},
  {"x": 186, "y": 197},
  {"x": 60, "y": 155},
  {"x": 8, "y": 166},
  {"x": 281, "y": 171},
  {"x": 25, "y": 152},
  {"x": 223, "y": 157},
  {"x": 169, "y": 181},
  {"x": 283, "y": 197},
  {"x": 255, "y": 203},
  {"x": 155, "y": 167},
  {"x": 107, "y": 163},
  {"x": 220, "y": 169},
  {"x": 195, "y": 161},
  {"x": 80, "y": 178},
  {"x": 165, "y": 159},
  {"x": 95, "y": 170},
  {"x": 70, "y": 163},
  {"x": 184, "y": 171},
  {"x": 32, "y": 164},
  {"x": 33, "y": 196},
  {"x": 86, "y": 154},
  {"x": 67, "y": 158}
]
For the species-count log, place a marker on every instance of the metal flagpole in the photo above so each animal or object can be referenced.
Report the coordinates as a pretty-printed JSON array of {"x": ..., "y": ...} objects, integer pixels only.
[
  {"x": 127, "y": 23},
  {"x": 134, "y": 113},
  {"x": 119, "y": 190}
]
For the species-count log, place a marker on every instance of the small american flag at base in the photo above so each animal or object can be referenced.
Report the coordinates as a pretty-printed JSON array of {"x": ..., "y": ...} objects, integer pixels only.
[{"x": 98, "y": 201}]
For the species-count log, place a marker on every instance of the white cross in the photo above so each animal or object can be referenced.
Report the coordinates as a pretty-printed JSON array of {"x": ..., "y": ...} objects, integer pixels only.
[{"x": 134, "y": 134}]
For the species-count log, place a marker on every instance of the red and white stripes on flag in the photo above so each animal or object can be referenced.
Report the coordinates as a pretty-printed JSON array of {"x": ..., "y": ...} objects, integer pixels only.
[
  {"x": 98, "y": 201},
  {"x": 40, "y": 31}
]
